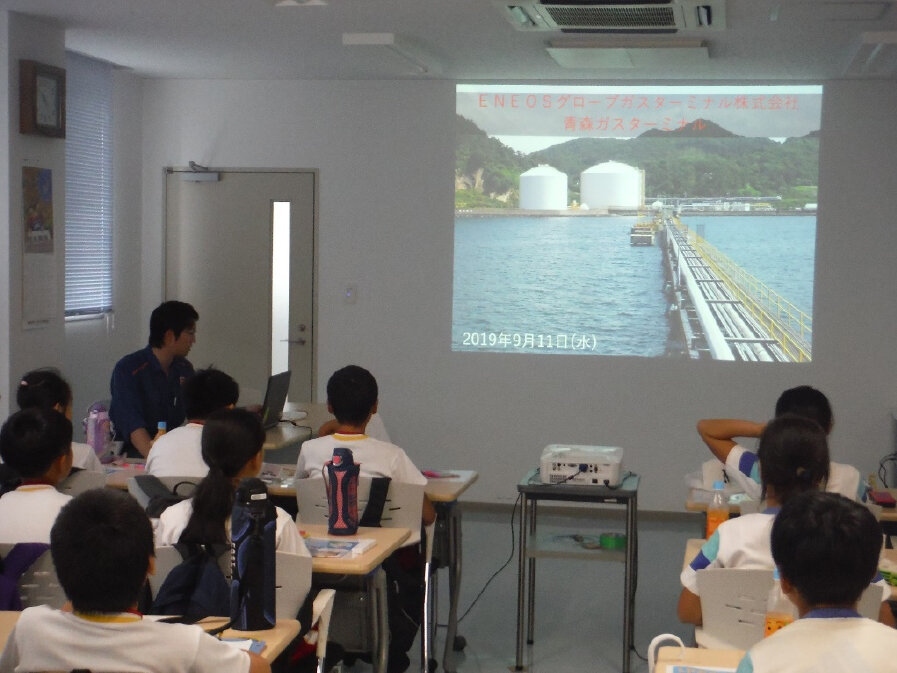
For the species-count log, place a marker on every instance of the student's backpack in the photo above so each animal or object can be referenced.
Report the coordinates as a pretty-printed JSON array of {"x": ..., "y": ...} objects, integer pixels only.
[
  {"x": 195, "y": 588},
  {"x": 16, "y": 563}
]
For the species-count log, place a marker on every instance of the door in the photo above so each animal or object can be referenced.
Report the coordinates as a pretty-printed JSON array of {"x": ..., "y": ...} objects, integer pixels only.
[{"x": 255, "y": 306}]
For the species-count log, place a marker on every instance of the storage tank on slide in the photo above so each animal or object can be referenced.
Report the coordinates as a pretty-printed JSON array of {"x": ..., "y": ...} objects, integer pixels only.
[
  {"x": 613, "y": 186},
  {"x": 543, "y": 188}
]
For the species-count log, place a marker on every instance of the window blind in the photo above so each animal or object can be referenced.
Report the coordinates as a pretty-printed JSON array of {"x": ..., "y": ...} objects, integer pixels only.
[{"x": 88, "y": 186}]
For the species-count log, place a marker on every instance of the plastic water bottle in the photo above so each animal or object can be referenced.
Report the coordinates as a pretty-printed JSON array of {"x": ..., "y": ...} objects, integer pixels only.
[
  {"x": 717, "y": 510},
  {"x": 98, "y": 428},
  {"x": 161, "y": 429},
  {"x": 780, "y": 611}
]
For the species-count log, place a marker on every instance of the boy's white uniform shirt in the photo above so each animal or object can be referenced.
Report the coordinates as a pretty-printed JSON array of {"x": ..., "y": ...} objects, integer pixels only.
[
  {"x": 376, "y": 458},
  {"x": 27, "y": 514},
  {"x": 178, "y": 453},
  {"x": 826, "y": 643},
  {"x": 174, "y": 520},
  {"x": 45, "y": 639}
]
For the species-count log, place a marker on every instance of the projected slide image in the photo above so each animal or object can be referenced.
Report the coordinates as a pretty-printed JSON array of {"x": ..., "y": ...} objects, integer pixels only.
[{"x": 638, "y": 221}]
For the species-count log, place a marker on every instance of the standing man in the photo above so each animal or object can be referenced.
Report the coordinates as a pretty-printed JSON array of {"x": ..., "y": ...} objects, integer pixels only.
[{"x": 146, "y": 385}]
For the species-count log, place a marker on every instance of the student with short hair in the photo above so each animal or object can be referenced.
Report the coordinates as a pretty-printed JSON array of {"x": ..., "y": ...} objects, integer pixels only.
[
  {"x": 742, "y": 465},
  {"x": 827, "y": 550},
  {"x": 45, "y": 388},
  {"x": 146, "y": 385},
  {"x": 37, "y": 444},
  {"x": 794, "y": 459},
  {"x": 102, "y": 547},
  {"x": 232, "y": 442},
  {"x": 178, "y": 453},
  {"x": 352, "y": 397}
]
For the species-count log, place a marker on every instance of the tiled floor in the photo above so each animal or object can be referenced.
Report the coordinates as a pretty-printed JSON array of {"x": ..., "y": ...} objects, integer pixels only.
[{"x": 578, "y": 603}]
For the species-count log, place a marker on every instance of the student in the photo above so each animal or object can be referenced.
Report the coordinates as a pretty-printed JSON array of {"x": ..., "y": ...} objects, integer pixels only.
[
  {"x": 178, "y": 453},
  {"x": 352, "y": 399},
  {"x": 146, "y": 385},
  {"x": 794, "y": 459},
  {"x": 719, "y": 435},
  {"x": 232, "y": 448},
  {"x": 37, "y": 444},
  {"x": 46, "y": 389},
  {"x": 102, "y": 547},
  {"x": 826, "y": 548}
]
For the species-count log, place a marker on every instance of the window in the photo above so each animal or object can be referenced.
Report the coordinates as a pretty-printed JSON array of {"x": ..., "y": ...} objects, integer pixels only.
[{"x": 88, "y": 187}]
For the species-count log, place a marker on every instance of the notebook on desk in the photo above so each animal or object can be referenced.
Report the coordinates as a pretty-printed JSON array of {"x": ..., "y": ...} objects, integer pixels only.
[{"x": 275, "y": 398}]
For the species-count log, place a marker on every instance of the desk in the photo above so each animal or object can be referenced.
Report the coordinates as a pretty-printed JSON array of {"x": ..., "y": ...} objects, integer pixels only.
[
  {"x": 667, "y": 657},
  {"x": 444, "y": 492},
  {"x": 366, "y": 566},
  {"x": 276, "y": 639},
  {"x": 532, "y": 490}
]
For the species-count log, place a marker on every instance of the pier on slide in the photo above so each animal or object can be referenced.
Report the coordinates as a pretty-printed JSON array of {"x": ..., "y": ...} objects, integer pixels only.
[{"x": 726, "y": 313}]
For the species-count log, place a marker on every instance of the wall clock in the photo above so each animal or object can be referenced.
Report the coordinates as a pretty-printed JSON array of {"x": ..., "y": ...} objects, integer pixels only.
[{"x": 41, "y": 99}]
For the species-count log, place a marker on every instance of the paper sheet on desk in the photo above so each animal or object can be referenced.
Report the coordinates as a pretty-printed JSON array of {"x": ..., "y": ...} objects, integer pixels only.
[{"x": 245, "y": 644}]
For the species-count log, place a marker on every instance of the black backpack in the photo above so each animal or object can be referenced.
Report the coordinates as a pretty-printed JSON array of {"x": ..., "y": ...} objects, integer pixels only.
[{"x": 196, "y": 587}]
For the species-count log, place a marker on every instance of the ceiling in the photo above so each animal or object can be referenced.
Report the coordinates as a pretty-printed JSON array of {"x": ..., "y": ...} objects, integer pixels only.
[{"x": 469, "y": 40}]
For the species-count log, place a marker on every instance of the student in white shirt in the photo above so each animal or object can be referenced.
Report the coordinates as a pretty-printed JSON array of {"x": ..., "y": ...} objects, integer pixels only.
[
  {"x": 742, "y": 465},
  {"x": 45, "y": 388},
  {"x": 102, "y": 547},
  {"x": 826, "y": 548},
  {"x": 178, "y": 453},
  {"x": 37, "y": 444},
  {"x": 232, "y": 442}
]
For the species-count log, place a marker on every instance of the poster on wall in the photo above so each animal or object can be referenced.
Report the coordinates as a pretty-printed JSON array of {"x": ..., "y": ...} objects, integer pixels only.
[
  {"x": 37, "y": 203},
  {"x": 38, "y": 261}
]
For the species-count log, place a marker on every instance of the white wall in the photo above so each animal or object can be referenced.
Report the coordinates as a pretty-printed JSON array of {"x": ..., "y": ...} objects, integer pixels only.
[
  {"x": 27, "y": 38},
  {"x": 384, "y": 150}
]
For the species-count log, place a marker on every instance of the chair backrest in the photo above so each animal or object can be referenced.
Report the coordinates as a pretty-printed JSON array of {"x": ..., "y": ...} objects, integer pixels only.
[
  {"x": 185, "y": 487},
  {"x": 870, "y": 602},
  {"x": 292, "y": 578},
  {"x": 402, "y": 509},
  {"x": 80, "y": 481},
  {"x": 733, "y": 605},
  {"x": 38, "y": 585}
]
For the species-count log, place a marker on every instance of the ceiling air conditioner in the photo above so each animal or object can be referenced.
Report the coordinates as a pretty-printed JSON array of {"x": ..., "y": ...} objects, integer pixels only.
[{"x": 615, "y": 16}]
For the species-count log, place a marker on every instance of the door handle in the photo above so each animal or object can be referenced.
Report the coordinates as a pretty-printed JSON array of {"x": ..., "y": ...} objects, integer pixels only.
[{"x": 299, "y": 342}]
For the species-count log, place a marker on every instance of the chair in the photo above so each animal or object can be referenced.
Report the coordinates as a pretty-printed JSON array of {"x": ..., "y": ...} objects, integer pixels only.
[
  {"x": 292, "y": 585},
  {"x": 80, "y": 481},
  {"x": 38, "y": 585},
  {"x": 141, "y": 487},
  {"x": 402, "y": 509},
  {"x": 733, "y": 606},
  {"x": 869, "y": 604}
]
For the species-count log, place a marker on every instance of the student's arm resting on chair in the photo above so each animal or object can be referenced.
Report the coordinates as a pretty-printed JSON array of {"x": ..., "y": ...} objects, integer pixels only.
[
  {"x": 719, "y": 433},
  {"x": 689, "y": 608}
]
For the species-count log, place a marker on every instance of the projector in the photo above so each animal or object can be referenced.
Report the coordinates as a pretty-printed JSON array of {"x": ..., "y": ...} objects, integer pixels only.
[{"x": 576, "y": 464}]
